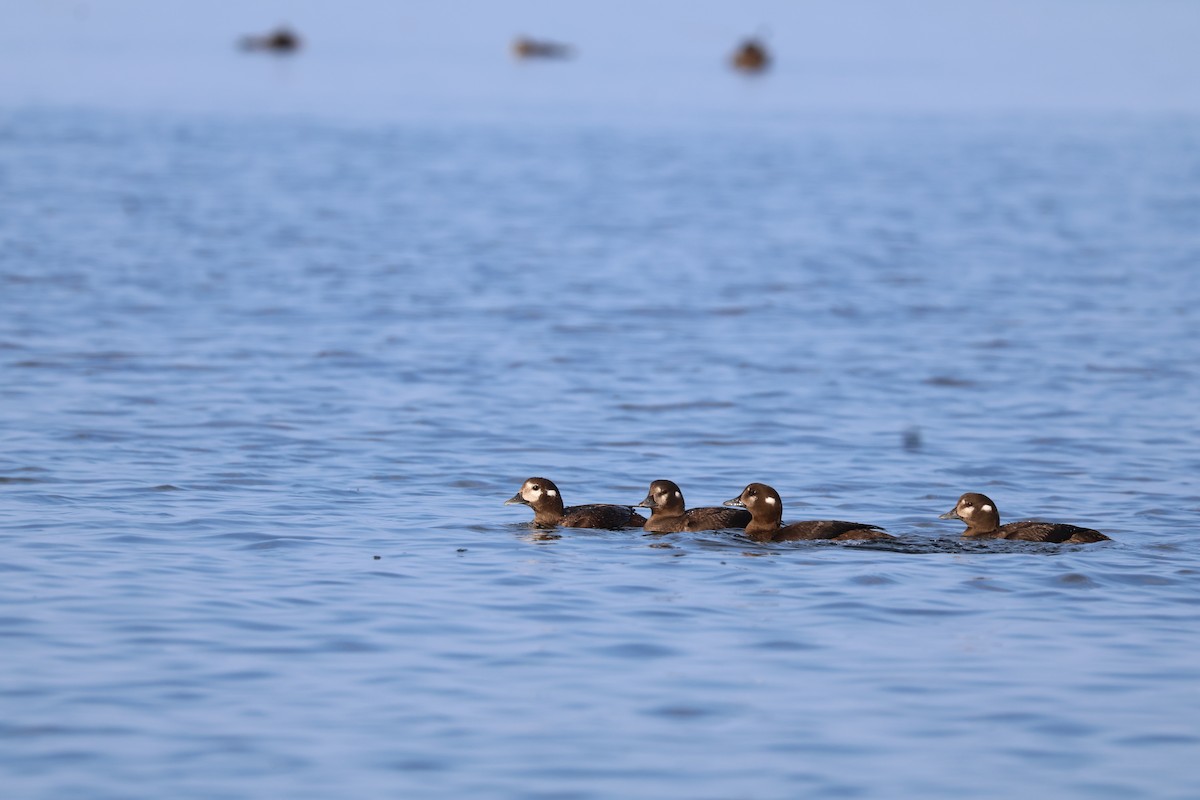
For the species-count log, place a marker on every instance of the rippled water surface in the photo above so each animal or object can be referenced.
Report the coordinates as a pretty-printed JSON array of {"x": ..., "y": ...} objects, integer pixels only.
[{"x": 265, "y": 385}]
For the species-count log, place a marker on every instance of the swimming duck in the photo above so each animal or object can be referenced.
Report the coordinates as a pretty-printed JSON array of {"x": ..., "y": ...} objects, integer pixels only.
[
  {"x": 525, "y": 47},
  {"x": 766, "y": 507},
  {"x": 280, "y": 40},
  {"x": 751, "y": 56},
  {"x": 983, "y": 522},
  {"x": 669, "y": 515},
  {"x": 543, "y": 497}
]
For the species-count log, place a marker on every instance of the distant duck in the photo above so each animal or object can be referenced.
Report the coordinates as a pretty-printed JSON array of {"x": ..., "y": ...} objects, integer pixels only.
[
  {"x": 751, "y": 56},
  {"x": 543, "y": 497},
  {"x": 281, "y": 40},
  {"x": 524, "y": 47},
  {"x": 766, "y": 507},
  {"x": 983, "y": 522},
  {"x": 669, "y": 515}
]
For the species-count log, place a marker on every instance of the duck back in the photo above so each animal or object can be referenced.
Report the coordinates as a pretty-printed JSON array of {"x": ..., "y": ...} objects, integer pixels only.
[
  {"x": 832, "y": 529},
  {"x": 1056, "y": 532},
  {"x": 714, "y": 518},
  {"x": 601, "y": 515}
]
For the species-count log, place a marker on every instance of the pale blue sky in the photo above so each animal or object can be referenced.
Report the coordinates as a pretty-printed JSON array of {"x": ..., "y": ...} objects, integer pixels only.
[{"x": 375, "y": 57}]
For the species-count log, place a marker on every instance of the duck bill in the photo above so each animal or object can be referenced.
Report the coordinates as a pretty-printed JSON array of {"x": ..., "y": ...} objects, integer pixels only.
[
  {"x": 951, "y": 514},
  {"x": 516, "y": 500},
  {"x": 735, "y": 502},
  {"x": 647, "y": 503}
]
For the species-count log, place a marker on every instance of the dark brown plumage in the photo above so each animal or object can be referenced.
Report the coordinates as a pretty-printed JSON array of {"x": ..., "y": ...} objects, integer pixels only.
[
  {"x": 766, "y": 507},
  {"x": 544, "y": 498},
  {"x": 668, "y": 514},
  {"x": 983, "y": 522}
]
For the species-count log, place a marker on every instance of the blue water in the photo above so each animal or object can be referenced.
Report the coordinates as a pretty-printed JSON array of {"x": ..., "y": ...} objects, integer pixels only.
[{"x": 266, "y": 383}]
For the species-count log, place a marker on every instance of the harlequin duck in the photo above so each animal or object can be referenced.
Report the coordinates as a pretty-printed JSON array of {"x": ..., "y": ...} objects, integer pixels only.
[
  {"x": 983, "y": 522},
  {"x": 543, "y": 497},
  {"x": 280, "y": 40},
  {"x": 525, "y": 47},
  {"x": 764, "y": 504},
  {"x": 751, "y": 56},
  {"x": 668, "y": 515}
]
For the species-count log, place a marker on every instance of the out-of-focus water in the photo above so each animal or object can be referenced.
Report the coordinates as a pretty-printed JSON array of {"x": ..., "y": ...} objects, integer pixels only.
[{"x": 265, "y": 385}]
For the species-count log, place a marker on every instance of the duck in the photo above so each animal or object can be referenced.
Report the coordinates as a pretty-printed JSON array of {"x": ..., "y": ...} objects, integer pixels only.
[
  {"x": 766, "y": 508},
  {"x": 983, "y": 522},
  {"x": 525, "y": 47},
  {"x": 668, "y": 513},
  {"x": 280, "y": 40},
  {"x": 543, "y": 497},
  {"x": 751, "y": 56}
]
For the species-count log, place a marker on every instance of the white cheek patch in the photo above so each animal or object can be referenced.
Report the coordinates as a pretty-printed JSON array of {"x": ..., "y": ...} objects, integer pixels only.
[
  {"x": 676, "y": 494},
  {"x": 771, "y": 501},
  {"x": 552, "y": 493},
  {"x": 986, "y": 507}
]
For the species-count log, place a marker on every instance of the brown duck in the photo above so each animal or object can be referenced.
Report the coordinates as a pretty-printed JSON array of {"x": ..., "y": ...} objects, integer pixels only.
[
  {"x": 983, "y": 522},
  {"x": 751, "y": 56},
  {"x": 543, "y": 497},
  {"x": 668, "y": 514},
  {"x": 766, "y": 507}
]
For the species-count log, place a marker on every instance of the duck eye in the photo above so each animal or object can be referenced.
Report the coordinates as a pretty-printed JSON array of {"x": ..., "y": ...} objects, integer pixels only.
[{"x": 536, "y": 488}]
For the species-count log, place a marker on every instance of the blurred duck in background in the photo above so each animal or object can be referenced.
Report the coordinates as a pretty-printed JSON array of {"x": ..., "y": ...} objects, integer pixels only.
[
  {"x": 751, "y": 57},
  {"x": 525, "y": 47},
  {"x": 280, "y": 40}
]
